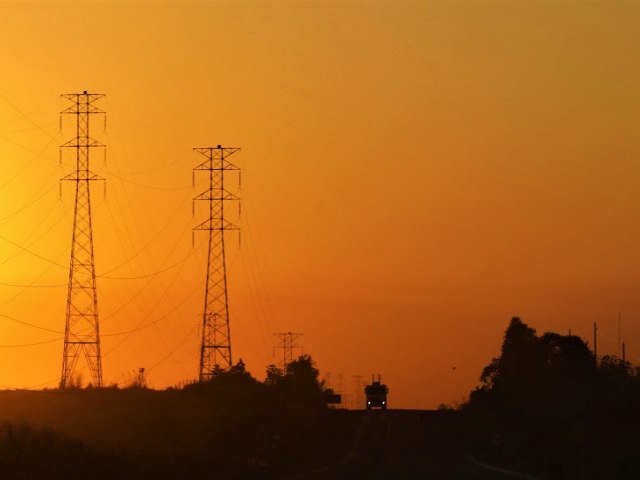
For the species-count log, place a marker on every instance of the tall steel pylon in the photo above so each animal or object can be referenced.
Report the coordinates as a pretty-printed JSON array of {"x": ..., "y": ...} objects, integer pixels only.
[
  {"x": 82, "y": 332},
  {"x": 288, "y": 343},
  {"x": 215, "y": 349}
]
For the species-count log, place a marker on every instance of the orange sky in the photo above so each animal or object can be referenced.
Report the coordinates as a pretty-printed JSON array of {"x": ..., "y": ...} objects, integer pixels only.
[{"x": 414, "y": 174}]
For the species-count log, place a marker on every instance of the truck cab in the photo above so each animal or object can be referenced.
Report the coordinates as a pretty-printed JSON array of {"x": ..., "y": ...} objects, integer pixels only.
[{"x": 376, "y": 394}]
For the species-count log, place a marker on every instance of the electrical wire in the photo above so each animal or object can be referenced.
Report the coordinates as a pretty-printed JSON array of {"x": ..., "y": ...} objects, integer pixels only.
[
  {"x": 149, "y": 243},
  {"x": 28, "y": 324},
  {"x": 153, "y": 274},
  {"x": 107, "y": 277},
  {"x": 156, "y": 298},
  {"x": 30, "y": 202},
  {"x": 28, "y": 164},
  {"x": 142, "y": 327},
  {"x": 182, "y": 262},
  {"x": 23, "y": 130},
  {"x": 15, "y": 107},
  {"x": 28, "y": 149},
  {"x": 156, "y": 169},
  {"x": 27, "y": 285},
  {"x": 152, "y": 187},
  {"x": 32, "y": 344},
  {"x": 41, "y": 222},
  {"x": 174, "y": 350},
  {"x": 135, "y": 296},
  {"x": 31, "y": 252}
]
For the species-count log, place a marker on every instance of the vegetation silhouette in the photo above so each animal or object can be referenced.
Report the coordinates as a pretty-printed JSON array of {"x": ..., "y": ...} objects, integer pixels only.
[
  {"x": 233, "y": 424},
  {"x": 547, "y": 405},
  {"x": 284, "y": 417}
]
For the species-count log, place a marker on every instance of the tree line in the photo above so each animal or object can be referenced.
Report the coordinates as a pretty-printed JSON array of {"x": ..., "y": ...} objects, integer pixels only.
[{"x": 547, "y": 405}]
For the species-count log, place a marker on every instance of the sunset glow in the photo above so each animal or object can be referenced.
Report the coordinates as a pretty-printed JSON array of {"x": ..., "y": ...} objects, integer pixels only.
[{"x": 414, "y": 174}]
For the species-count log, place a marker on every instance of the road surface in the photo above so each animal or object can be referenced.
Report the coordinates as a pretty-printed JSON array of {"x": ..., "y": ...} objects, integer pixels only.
[{"x": 405, "y": 445}]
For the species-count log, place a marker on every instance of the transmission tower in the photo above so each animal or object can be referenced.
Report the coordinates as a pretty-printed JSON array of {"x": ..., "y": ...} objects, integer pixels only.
[
  {"x": 288, "y": 343},
  {"x": 82, "y": 332},
  {"x": 215, "y": 349},
  {"x": 358, "y": 392},
  {"x": 343, "y": 394}
]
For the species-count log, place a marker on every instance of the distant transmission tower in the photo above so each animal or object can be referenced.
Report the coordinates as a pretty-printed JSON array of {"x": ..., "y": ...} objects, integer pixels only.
[
  {"x": 215, "y": 349},
  {"x": 288, "y": 344},
  {"x": 340, "y": 390},
  {"x": 82, "y": 332},
  {"x": 358, "y": 392}
]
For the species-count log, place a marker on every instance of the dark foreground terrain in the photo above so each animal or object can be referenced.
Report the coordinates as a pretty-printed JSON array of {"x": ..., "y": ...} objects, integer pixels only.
[
  {"x": 546, "y": 405},
  {"x": 110, "y": 433},
  {"x": 184, "y": 434},
  {"x": 406, "y": 444}
]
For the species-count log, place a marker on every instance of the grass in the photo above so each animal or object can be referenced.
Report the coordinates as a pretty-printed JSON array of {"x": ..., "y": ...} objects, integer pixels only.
[{"x": 140, "y": 433}]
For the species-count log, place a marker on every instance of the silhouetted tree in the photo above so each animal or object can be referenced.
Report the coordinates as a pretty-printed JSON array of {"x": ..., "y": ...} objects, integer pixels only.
[
  {"x": 236, "y": 375},
  {"x": 274, "y": 374},
  {"x": 235, "y": 382},
  {"x": 300, "y": 382},
  {"x": 544, "y": 402},
  {"x": 139, "y": 380}
]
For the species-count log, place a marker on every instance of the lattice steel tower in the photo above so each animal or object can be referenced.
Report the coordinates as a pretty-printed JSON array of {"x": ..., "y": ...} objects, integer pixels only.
[
  {"x": 215, "y": 349},
  {"x": 288, "y": 343},
  {"x": 82, "y": 333}
]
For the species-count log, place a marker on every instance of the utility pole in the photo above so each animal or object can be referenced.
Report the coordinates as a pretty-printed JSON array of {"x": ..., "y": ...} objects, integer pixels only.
[
  {"x": 327, "y": 380},
  {"x": 82, "y": 331},
  {"x": 624, "y": 353},
  {"x": 288, "y": 343},
  {"x": 619, "y": 334},
  {"x": 215, "y": 347},
  {"x": 595, "y": 342}
]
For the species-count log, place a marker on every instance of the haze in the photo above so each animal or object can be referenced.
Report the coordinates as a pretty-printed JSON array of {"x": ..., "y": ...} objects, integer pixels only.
[{"x": 414, "y": 175}]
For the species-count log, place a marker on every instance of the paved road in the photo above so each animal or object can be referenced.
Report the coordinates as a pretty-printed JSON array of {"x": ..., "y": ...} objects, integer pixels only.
[{"x": 403, "y": 445}]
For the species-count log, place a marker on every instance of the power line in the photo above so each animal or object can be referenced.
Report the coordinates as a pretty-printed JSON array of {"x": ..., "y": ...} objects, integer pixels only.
[
  {"x": 28, "y": 149},
  {"x": 22, "y": 130},
  {"x": 152, "y": 187},
  {"x": 32, "y": 201},
  {"x": 31, "y": 252},
  {"x": 22, "y": 322},
  {"x": 17, "y": 109},
  {"x": 41, "y": 222},
  {"x": 148, "y": 275},
  {"x": 136, "y": 294},
  {"x": 157, "y": 298},
  {"x": 28, "y": 164},
  {"x": 107, "y": 277},
  {"x": 26, "y": 285},
  {"x": 174, "y": 350},
  {"x": 150, "y": 242},
  {"x": 155, "y": 169},
  {"x": 32, "y": 344},
  {"x": 162, "y": 317}
]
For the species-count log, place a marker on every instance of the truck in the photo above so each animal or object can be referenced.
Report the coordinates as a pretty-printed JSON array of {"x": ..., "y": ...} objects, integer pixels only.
[{"x": 376, "y": 394}]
